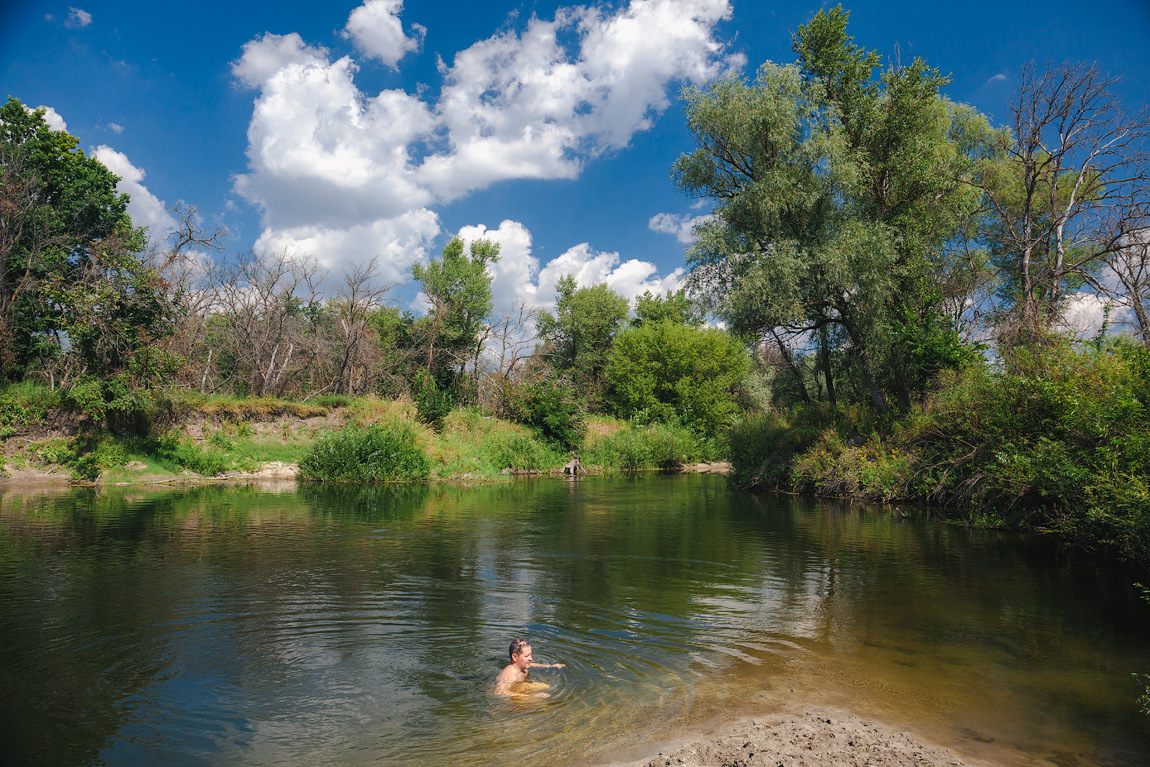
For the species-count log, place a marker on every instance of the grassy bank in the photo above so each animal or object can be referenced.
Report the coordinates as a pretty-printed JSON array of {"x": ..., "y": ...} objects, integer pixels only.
[
  {"x": 1057, "y": 441},
  {"x": 330, "y": 438}
]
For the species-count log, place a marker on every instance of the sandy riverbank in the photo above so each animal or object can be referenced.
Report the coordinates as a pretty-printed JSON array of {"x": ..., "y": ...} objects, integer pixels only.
[{"x": 814, "y": 738}]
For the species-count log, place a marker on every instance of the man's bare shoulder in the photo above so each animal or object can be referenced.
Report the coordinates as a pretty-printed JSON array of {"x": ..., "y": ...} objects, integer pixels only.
[{"x": 506, "y": 678}]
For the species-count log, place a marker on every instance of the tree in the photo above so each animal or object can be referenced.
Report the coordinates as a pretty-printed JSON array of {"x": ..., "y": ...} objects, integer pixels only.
[
  {"x": 670, "y": 371},
  {"x": 1067, "y": 185},
  {"x": 458, "y": 288},
  {"x": 675, "y": 307},
  {"x": 56, "y": 208},
  {"x": 1131, "y": 269},
  {"x": 580, "y": 333},
  {"x": 835, "y": 194}
]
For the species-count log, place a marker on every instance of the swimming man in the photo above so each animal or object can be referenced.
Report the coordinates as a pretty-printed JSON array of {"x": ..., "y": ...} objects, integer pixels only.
[{"x": 515, "y": 675}]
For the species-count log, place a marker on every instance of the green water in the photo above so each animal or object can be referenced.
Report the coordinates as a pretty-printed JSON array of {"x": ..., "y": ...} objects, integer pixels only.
[{"x": 364, "y": 626}]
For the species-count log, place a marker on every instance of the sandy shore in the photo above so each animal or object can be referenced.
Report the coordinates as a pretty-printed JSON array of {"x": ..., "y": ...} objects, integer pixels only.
[{"x": 814, "y": 738}]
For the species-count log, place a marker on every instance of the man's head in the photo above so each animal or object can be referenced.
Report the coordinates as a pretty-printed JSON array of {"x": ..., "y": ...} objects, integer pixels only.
[{"x": 520, "y": 653}]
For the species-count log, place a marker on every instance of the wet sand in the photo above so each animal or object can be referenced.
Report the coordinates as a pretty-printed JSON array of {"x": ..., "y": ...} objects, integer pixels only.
[{"x": 813, "y": 738}]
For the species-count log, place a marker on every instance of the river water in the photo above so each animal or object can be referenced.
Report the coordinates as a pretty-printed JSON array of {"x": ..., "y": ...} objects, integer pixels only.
[{"x": 365, "y": 625}]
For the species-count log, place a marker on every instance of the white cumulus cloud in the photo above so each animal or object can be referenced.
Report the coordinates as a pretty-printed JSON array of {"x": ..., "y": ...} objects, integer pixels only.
[
  {"x": 683, "y": 227},
  {"x": 376, "y": 30},
  {"x": 517, "y": 275},
  {"x": 144, "y": 207},
  {"x": 52, "y": 118},
  {"x": 328, "y": 162}
]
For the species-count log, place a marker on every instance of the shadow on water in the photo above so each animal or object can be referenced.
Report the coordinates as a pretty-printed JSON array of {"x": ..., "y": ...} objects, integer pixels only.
[{"x": 365, "y": 624}]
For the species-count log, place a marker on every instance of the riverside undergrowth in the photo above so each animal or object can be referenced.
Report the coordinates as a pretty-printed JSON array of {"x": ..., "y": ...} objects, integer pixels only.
[{"x": 1054, "y": 439}]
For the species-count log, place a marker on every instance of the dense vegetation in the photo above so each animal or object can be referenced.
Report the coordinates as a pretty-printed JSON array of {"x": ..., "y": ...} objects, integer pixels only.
[{"x": 874, "y": 309}]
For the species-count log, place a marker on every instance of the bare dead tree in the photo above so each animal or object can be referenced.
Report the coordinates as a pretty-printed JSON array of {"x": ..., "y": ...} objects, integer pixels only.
[
  {"x": 190, "y": 272},
  {"x": 357, "y": 361},
  {"x": 1127, "y": 282},
  {"x": 263, "y": 306},
  {"x": 1071, "y": 188},
  {"x": 510, "y": 341}
]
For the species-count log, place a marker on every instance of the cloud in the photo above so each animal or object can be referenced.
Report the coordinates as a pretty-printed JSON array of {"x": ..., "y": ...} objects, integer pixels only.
[
  {"x": 376, "y": 30},
  {"x": 144, "y": 207},
  {"x": 524, "y": 106},
  {"x": 683, "y": 227},
  {"x": 396, "y": 242},
  {"x": 1084, "y": 313},
  {"x": 115, "y": 128},
  {"x": 517, "y": 275},
  {"x": 77, "y": 18},
  {"x": 264, "y": 56},
  {"x": 998, "y": 78},
  {"x": 629, "y": 278},
  {"x": 327, "y": 161},
  {"x": 52, "y": 118}
]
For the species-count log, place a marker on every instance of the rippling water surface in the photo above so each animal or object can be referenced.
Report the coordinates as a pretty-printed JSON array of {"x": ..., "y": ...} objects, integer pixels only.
[{"x": 364, "y": 626}]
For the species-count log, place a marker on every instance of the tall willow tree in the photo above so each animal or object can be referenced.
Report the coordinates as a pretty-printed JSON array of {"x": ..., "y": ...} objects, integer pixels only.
[{"x": 838, "y": 192}]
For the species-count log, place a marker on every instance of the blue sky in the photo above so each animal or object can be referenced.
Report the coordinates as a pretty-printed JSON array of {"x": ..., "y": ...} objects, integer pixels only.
[{"x": 379, "y": 129}]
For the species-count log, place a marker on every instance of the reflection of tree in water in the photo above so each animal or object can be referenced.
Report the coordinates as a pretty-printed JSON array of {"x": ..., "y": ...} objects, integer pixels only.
[{"x": 72, "y": 657}]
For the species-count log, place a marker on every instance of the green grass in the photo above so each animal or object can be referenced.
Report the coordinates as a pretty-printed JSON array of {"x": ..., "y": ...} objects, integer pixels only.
[
  {"x": 654, "y": 446},
  {"x": 476, "y": 446},
  {"x": 376, "y": 453},
  {"x": 25, "y": 405}
]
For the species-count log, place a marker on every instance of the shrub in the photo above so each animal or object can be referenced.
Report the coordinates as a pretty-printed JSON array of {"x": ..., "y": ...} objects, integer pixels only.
[
  {"x": 522, "y": 453},
  {"x": 675, "y": 373},
  {"x": 550, "y": 409},
  {"x": 372, "y": 454},
  {"x": 432, "y": 403},
  {"x": 655, "y": 446}
]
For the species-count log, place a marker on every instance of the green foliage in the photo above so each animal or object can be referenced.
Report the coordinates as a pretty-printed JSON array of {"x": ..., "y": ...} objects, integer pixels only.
[
  {"x": 653, "y": 446},
  {"x": 764, "y": 448},
  {"x": 71, "y": 270},
  {"x": 675, "y": 307},
  {"x": 522, "y": 453},
  {"x": 373, "y": 454},
  {"x": 549, "y": 407},
  {"x": 432, "y": 403},
  {"x": 458, "y": 288},
  {"x": 580, "y": 333},
  {"x": 114, "y": 401},
  {"x": 177, "y": 449},
  {"x": 25, "y": 405},
  {"x": 835, "y": 203},
  {"x": 1056, "y": 439},
  {"x": 672, "y": 372}
]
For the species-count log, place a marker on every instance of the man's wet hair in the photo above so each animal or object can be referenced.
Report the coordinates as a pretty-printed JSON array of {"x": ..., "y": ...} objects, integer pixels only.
[{"x": 516, "y": 647}]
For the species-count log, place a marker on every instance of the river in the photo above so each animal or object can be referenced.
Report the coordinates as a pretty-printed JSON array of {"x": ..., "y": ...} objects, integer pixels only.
[{"x": 345, "y": 625}]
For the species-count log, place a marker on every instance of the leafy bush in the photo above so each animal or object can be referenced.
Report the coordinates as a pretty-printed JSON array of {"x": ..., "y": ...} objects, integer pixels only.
[
  {"x": 24, "y": 405},
  {"x": 549, "y": 407},
  {"x": 432, "y": 403},
  {"x": 180, "y": 451},
  {"x": 522, "y": 453},
  {"x": 655, "y": 446},
  {"x": 372, "y": 454},
  {"x": 677, "y": 374},
  {"x": 763, "y": 448}
]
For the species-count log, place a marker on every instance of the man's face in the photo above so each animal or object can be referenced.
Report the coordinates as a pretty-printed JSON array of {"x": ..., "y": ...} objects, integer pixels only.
[{"x": 522, "y": 659}]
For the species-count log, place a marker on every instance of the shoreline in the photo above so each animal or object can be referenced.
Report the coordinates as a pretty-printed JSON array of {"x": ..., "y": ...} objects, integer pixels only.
[{"x": 277, "y": 471}]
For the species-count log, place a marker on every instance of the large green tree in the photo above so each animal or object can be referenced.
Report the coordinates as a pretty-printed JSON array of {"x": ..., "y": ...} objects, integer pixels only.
[
  {"x": 579, "y": 335},
  {"x": 838, "y": 195},
  {"x": 458, "y": 288},
  {"x": 76, "y": 297}
]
